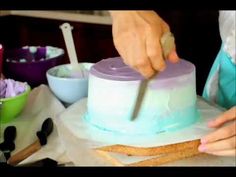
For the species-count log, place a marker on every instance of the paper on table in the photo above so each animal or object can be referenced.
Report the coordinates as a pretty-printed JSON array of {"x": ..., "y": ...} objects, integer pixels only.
[
  {"x": 82, "y": 137},
  {"x": 199, "y": 160},
  {"x": 73, "y": 120},
  {"x": 40, "y": 105}
]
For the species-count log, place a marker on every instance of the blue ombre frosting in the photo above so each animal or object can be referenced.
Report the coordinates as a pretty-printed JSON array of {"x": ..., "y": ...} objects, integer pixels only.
[
  {"x": 158, "y": 125},
  {"x": 169, "y": 103}
]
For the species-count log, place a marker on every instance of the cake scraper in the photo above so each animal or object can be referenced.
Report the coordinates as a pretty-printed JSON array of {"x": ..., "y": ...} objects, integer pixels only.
[{"x": 167, "y": 43}]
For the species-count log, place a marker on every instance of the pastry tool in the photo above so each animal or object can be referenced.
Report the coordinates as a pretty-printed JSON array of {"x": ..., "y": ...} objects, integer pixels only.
[
  {"x": 141, "y": 94},
  {"x": 8, "y": 145},
  {"x": 46, "y": 130},
  {"x": 68, "y": 38},
  {"x": 167, "y": 43}
]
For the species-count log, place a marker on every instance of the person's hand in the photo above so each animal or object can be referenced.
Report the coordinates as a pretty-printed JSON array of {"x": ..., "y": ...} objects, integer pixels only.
[
  {"x": 222, "y": 141},
  {"x": 136, "y": 36}
]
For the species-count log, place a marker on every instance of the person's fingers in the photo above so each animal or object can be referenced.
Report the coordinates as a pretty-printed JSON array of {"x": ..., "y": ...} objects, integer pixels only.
[
  {"x": 153, "y": 45},
  {"x": 230, "y": 152},
  {"x": 138, "y": 58},
  {"x": 222, "y": 133},
  {"x": 143, "y": 31},
  {"x": 173, "y": 56},
  {"x": 146, "y": 70},
  {"x": 123, "y": 53},
  {"x": 134, "y": 52},
  {"x": 165, "y": 27},
  {"x": 154, "y": 51},
  {"x": 229, "y": 143},
  {"x": 142, "y": 63},
  {"x": 226, "y": 116}
]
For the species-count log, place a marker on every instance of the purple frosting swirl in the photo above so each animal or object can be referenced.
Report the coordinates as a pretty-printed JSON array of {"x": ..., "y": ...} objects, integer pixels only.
[{"x": 116, "y": 69}]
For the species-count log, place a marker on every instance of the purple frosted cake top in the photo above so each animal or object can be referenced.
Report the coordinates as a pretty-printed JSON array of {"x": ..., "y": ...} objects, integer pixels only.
[{"x": 116, "y": 69}]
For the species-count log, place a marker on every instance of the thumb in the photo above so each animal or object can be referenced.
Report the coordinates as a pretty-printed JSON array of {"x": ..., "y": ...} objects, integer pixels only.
[
  {"x": 168, "y": 44},
  {"x": 168, "y": 47},
  {"x": 173, "y": 56}
]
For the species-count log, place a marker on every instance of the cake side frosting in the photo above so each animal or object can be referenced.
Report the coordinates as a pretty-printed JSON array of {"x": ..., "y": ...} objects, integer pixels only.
[{"x": 169, "y": 104}]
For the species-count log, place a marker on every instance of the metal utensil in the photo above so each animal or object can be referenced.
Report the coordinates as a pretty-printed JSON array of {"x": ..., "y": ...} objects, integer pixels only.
[
  {"x": 141, "y": 94},
  {"x": 167, "y": 43}
]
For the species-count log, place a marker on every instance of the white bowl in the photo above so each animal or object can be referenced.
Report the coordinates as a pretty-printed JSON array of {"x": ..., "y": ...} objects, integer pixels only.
[{"x": 67, "y": 89}]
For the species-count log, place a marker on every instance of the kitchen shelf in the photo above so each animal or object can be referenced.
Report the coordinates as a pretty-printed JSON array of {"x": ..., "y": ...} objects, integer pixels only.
[{"x": 94, "y": 17}]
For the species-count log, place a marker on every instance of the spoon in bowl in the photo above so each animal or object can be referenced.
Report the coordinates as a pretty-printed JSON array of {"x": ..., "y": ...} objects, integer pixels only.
[{"x": 67, "y": 34}]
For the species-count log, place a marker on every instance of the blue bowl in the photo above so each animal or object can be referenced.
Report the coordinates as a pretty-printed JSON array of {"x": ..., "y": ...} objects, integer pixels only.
[{"x": 67, "y": 89}]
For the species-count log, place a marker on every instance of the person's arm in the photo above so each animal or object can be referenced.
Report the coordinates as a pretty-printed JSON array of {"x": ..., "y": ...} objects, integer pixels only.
[
  {"x": 222, "y": 141},
  {"x": 136, "y": 36}
]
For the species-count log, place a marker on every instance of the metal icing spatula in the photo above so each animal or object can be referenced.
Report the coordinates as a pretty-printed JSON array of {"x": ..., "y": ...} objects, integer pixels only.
[{"x": 168, "y": 43}]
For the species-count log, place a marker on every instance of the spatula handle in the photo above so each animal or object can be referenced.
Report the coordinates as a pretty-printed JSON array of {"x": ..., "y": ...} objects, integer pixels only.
[
  {"x": 23, "y": 154},
  {"x": 67, "y": 34}
]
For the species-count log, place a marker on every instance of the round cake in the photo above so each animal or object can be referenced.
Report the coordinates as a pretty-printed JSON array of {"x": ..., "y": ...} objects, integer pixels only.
[{"x": 169, "y": 103}]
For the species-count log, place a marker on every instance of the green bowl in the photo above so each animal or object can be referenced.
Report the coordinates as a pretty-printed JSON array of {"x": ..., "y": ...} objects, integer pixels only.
[{"x": 11, "y": 107}]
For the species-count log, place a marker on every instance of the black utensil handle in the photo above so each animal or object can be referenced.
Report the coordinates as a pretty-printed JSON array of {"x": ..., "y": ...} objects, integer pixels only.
[
  {"x": 46, "y": 130},
  {"x": 47, "y": 126},
  {"x": 10, "y": 134},
  {"x": 9, "y": 137}
]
